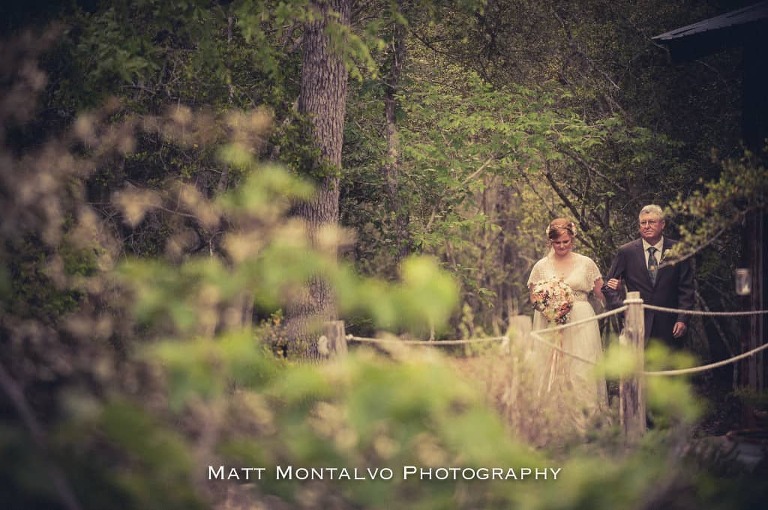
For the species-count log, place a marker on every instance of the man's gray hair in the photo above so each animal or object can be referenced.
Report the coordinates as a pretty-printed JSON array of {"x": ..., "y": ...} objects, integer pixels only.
[{"x": 652, "y": 209}]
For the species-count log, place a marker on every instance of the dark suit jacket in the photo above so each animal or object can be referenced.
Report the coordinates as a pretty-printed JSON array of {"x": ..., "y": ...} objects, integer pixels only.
[{"x": 673, "y": 289}]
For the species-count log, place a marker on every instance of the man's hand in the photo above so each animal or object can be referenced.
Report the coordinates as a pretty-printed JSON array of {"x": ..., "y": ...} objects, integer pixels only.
[
  {"x": 614, "y": 284},
  {"x": 679, "y": 329}
]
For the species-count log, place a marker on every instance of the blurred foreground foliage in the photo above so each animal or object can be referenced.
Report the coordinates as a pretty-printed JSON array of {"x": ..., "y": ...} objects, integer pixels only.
[{"x": 124, "y": 393}]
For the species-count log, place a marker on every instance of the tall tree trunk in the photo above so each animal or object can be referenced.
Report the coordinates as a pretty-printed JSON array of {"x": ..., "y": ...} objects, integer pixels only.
[
  {"x": 392, "y": 165},
  {"x": 323, "y": 100}
]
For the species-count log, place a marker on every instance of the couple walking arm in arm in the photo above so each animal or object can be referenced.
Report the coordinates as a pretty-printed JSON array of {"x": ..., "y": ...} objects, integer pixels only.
[{"x": 569, "y": 382}]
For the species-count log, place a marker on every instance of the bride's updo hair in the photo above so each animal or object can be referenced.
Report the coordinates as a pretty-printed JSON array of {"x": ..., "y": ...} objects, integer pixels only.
[{"x": 560, "y": 225}]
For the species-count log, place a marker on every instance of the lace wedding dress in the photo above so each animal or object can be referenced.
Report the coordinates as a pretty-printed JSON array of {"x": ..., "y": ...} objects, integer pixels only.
[{"x": 568, "y": 381}]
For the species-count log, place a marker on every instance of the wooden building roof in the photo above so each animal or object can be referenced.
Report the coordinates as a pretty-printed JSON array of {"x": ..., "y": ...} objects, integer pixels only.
[{"x": 710, "y": 35}]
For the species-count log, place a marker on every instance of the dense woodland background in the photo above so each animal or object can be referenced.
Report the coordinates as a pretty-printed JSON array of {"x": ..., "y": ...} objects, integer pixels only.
[{"x": 172, "y": 177}]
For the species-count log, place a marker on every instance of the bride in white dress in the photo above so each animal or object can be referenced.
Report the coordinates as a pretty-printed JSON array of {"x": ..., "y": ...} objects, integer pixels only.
[{"x": 570, "y": 382}]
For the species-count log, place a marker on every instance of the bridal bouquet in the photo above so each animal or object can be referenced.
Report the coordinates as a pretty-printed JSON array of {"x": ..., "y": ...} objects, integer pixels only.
[{"x": 554, "y": 299}]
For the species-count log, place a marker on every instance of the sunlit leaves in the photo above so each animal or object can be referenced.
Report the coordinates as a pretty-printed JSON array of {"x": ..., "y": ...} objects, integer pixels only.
[
  {"x": 265, "y": 193},
  {"x": 670, "y": 398},
  {"x": 205, "y": 368},
  {"x": 365, "y": 411},
  {"x": 271, "y": 261},
  {"x": 620, "y": 361},
  {"x": 125, "y": 434},
  {"x": 431, "y": 292}
]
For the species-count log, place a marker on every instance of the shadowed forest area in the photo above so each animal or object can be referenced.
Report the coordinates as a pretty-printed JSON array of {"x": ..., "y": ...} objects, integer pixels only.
[{"x": 190, "y": 190}]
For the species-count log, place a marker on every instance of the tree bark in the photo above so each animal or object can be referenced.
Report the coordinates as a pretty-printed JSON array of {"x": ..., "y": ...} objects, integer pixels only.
[
  {"x": 391, "y": 167},
  {"x": 323, "y": 100}
]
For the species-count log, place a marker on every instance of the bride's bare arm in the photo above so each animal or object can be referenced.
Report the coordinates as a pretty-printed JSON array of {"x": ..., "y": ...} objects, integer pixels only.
[{"x": 598, "y": 291}]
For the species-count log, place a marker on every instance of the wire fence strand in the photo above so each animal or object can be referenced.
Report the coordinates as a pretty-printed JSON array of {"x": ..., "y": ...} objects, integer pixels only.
[
  {"x": 702, "y": 312},
  {"x": 703, "y": 368},
  {"x": 681, "y": 371},
  {"x": 425, "y": 343},
  {"x": 536, "y": 335},
  {"x": 583, "y": 321}
]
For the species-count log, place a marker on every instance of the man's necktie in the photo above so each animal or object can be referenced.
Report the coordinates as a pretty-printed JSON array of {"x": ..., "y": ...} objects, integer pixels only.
[{"x": 653, "y": 264}]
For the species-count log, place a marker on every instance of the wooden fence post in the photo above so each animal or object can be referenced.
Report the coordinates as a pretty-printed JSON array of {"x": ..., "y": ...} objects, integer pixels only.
[
  {"x": 333, "y": 342},
  {"x": 631, "y": 392},
  {"x": 519, "y": 330}
]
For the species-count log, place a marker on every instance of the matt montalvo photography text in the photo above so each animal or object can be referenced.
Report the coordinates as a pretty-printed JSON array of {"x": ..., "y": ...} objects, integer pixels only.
[{"x": 405, "y": 473}]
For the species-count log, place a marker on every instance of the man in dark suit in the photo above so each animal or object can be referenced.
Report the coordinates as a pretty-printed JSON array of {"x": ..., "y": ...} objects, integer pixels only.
[{"x": 639, "y": 266}]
